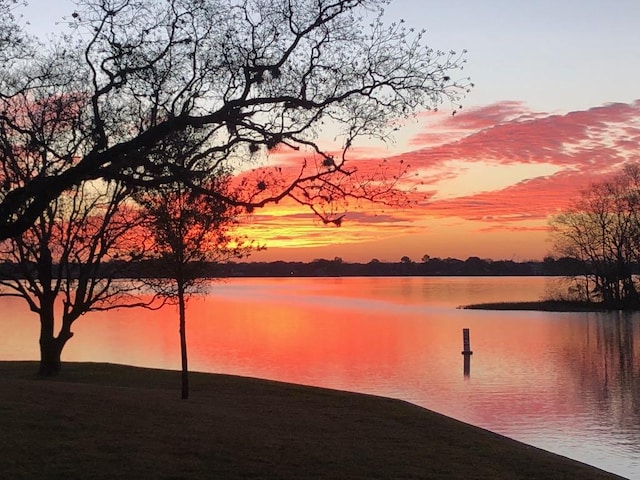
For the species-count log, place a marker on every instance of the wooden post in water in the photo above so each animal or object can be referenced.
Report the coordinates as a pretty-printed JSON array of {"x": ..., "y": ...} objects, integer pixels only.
[
  {"x": 466, "y": 351},
  {"x": 466, "y": 366},
  {"x": 466, "y": 348}
]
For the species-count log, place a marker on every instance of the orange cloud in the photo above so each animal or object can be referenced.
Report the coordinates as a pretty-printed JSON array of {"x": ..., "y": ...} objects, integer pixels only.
[{"x": 502, "y": 167}]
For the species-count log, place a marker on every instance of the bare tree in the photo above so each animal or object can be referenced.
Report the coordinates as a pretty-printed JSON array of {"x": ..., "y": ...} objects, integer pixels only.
[
  {"x": 255, "y": 75},
  {"x": 58, "y": 264},
  {"x": 602, "y": 229},
  {"x": 189, "y": 230}
]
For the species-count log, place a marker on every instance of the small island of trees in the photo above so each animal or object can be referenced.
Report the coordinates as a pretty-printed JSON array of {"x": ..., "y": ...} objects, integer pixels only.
[{"x": 601, "y": 231}]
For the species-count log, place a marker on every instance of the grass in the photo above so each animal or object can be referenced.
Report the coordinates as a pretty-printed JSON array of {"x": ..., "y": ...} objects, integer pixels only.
[{"x": 103, "y": 421}]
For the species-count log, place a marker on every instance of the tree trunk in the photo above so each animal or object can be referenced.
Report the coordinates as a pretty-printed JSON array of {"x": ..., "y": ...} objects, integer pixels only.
[
  {"x": 50, "y": 351},
  {"x": 183, "y": 341},
  {"x": 50, "y": 345}
]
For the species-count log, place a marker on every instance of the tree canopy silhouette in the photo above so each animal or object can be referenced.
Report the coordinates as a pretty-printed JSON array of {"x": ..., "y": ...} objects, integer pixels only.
[
  {"x": 189, "y": 230},
  {"x": 253, "y": 76},
  {"x": 601, "y": 229},
  {"x": 67, "y": 261}
]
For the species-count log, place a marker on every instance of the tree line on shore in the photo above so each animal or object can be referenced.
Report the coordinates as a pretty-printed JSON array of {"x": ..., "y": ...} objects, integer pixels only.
[
  {"x": 321, "y": 267},
  {"x": 472, "y": 266}
]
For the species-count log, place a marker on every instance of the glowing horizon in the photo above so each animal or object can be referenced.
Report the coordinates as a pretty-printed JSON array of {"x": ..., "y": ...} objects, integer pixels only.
[{"x": 488, "y": 190}]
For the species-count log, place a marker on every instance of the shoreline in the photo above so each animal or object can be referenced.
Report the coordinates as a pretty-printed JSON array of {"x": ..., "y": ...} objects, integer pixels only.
[
  {"x": 241, "y": 427},
  {"x": 541, "y": 306}
]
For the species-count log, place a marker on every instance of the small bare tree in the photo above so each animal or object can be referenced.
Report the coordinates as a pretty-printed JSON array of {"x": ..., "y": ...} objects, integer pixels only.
[
  {"x": 189, "y": 230},
  {"x": 59, "y": 264}
]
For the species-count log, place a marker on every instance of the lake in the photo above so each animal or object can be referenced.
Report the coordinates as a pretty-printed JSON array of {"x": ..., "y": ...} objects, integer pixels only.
[{"x": 565, "y": 382}]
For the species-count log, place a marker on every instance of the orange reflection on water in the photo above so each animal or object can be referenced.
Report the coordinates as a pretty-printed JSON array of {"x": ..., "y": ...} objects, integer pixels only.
[
  {"x": 566, "y": 382},
  {"x": 292, "y": 343}
]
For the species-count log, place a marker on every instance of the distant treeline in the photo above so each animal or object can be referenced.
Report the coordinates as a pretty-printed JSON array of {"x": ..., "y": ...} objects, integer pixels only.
[{"x": 472, "y": 266}]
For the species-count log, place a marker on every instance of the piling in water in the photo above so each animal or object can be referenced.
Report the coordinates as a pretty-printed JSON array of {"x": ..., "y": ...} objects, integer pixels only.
[{"x": 466, "y": 347}]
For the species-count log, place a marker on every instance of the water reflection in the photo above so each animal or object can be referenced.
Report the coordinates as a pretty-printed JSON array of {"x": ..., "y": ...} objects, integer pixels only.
[
  {"x": 606, "y": 361},
  {"x": 466, "y": 365},
  {"x": 564, "y": 382}
]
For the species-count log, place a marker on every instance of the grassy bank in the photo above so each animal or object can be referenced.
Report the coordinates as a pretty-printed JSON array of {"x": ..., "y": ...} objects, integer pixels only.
[
  {"x": 542, "y": 305},
  {"x": 115, "y": 422}
]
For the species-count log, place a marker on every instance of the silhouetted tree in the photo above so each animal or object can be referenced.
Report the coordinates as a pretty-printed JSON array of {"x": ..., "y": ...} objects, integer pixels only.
[
  {"x": 602, "y": 230},
  {"x": 254, "y": 76},
  {"x": 475, "y": 266},
  {"x": 189, "y": 230},
  {"x": 58, "y": 262}
]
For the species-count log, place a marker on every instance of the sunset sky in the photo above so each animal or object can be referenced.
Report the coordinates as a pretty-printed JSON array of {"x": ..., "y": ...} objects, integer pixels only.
[{"x": 556, "y": 105}]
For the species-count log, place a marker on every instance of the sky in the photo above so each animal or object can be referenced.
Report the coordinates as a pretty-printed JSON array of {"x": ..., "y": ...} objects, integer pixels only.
[{"x": 556, "y": 106}]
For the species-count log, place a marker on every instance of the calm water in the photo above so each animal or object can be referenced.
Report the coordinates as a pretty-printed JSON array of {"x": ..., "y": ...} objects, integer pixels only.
[{"x": 565, "y": 382}]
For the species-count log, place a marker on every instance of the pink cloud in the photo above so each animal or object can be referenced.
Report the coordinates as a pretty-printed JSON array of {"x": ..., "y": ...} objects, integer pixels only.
[
  {"x": 508, "y": 134},
  {"x": 583, "y": 146},
  {"x": 532, "y": 199}
]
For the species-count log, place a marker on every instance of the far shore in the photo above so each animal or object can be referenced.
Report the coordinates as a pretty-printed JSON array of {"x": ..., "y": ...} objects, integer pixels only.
[
  {"x": 104, "y": 421},
  {"x": 541, "y": 305}
]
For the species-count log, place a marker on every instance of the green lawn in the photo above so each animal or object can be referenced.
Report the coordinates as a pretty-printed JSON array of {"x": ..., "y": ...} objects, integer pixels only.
[{"x": 98, "y": 421}]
